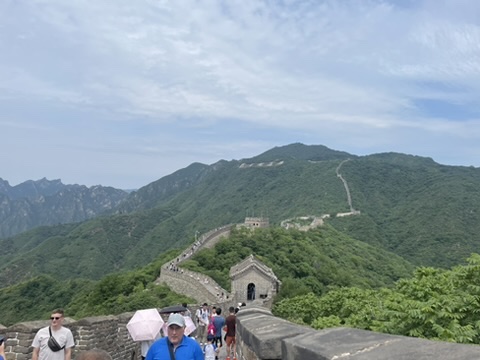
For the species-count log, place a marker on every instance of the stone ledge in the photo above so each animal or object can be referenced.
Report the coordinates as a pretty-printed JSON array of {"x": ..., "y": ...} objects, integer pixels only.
[
  {"x": 96, "y": 320},
  {"x": 37, "y": 324},
  {"x": 270, "y": 337},
  {"x": 346, "y": 343},
  {"x": 263, "y": 332}
]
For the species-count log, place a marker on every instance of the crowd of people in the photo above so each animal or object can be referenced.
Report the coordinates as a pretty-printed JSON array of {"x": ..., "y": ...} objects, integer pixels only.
[
  {"x": 56, "y": 342},
  {"x": 206, "y": 342}
]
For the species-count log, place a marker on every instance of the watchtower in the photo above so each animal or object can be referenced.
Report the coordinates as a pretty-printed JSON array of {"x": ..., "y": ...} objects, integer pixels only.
[{"x": 253, "y": 280}]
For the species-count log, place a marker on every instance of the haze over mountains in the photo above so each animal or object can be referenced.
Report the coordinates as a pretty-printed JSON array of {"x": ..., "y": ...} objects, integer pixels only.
[
  {"x": 425, "y": 212},
  {"x": 49, "y": 202}
]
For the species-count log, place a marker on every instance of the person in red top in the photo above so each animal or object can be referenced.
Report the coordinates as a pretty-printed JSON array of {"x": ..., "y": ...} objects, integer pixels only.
[{"x": 230, "y": 323}]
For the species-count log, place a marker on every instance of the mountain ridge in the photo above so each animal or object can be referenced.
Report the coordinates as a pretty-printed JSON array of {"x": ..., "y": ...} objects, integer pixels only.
[
  {"x": 50, "y": 202},
  {"x": 166, "y": 214}
]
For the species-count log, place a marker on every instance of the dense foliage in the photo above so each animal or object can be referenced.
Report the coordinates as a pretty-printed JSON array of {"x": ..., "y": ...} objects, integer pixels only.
[
  {"x": 304, "y": 261},
  {"x": 114, "y": 294},
  {"x": 425, "y": 212},
  {"x": 435, "y": 304}
]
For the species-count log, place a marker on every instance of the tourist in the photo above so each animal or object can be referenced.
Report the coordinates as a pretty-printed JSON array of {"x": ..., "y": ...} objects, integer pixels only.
[
  {"x": 210, "y": 350},
  {"x": 230, "y": 341},
  {"x": 176, "y": 345},
  {"x": 54, "y": 342},
  {"x": 219, "y": 322},
  {"x": 202, "y": 314}
]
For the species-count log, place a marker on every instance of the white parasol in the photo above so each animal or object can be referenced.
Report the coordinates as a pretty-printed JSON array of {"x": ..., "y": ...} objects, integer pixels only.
[
  {"x": 145, "y": 325},
  {"x": 189, "y": 325}
]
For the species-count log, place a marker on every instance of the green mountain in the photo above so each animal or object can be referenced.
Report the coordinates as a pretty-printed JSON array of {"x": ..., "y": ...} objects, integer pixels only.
[
  {"x": 411, "y": 206},
  {"x": 49, "y": 202},
  {"x": 425, "y": 212}
]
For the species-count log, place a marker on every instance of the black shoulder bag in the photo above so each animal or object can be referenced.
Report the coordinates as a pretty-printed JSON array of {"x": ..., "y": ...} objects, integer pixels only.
[{"x": 52, "y": 342}]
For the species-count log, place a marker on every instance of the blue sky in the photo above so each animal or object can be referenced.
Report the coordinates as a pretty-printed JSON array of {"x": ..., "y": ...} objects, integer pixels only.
[{"x": 121, "y": 93}]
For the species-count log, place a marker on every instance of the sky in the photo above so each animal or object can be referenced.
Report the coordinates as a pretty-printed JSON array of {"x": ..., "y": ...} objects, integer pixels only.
[{"x": 121, "y": 93}]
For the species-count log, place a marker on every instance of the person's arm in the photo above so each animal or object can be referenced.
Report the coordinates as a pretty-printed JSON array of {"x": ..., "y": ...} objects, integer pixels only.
[
  {"x": 68, "y": 353},
  {"x": 35, "y": 353}
]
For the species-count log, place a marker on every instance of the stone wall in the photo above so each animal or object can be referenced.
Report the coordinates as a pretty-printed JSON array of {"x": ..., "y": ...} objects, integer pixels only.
[
  {"x": 103, "y": 332},
  {"x": 260, "y": 335},
  {"x": 196, "y": 285},
  {"x": 191, "y": 284}
]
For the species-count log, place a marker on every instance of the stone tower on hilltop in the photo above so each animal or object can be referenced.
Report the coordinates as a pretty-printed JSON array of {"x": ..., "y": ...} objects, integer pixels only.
[{"x": 253, "y": 281}]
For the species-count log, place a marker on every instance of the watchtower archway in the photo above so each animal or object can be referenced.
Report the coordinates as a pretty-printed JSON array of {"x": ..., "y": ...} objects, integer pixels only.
[{"x": 251, "y": 292}]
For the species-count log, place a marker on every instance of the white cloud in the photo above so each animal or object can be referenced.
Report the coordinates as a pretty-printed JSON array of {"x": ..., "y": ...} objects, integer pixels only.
[{"x": 339, "y": 73}]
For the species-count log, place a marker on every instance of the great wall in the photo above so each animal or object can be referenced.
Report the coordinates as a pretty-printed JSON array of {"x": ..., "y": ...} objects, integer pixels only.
[{"x": 260, "y": 335}]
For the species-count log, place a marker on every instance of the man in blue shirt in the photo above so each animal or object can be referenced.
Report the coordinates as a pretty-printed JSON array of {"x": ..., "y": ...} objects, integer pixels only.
[
  {"x": 176, "y": 342},
  {"x": 219, "y": 322}
]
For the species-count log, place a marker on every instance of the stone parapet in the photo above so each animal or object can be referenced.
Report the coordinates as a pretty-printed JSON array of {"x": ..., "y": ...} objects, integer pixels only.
[
  {"x": 102, "y": 332},
  {"x": 261, "y": 336}
]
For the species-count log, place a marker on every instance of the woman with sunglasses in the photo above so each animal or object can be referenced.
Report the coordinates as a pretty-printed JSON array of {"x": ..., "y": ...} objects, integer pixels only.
[{"x": 54, "y": 342}]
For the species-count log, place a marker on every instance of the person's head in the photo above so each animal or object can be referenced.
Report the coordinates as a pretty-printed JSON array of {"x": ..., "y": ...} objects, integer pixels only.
[
  {"x": 218, "y": 311},
  {"x": 205, "y": 306},
  {"x": 175, "y": 328},
  {"x": 184, "y": 305},
  {"x": 209, "y": 338},
  {"x": 94, "y": 354},
  {"x": 231, "y": 309},
  {"x": 56, "y": 318}
]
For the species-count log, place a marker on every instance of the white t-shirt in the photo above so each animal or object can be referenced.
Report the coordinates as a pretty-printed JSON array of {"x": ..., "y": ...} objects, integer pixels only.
[
  {"x": 202, "y": 316},
  {"x": 209, "y": 351},
  {"x": 144, "y": 346},
  {"x": 63, "y": 336}
]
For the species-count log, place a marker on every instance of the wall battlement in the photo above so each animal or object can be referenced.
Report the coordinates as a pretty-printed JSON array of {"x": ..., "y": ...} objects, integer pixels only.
[{"x": 260, "y": 336}]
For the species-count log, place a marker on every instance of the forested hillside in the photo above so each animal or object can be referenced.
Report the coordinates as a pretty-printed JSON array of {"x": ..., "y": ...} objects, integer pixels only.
[
  {"x": 425, "y": 212},
  {"x": 408, "y": 205},
  {"x": 312, "y": 261},
  {"x": 316, "y": 261}
]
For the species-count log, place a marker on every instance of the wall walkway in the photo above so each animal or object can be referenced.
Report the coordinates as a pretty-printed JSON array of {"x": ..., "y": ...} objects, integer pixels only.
[{"x": 196, "y": 285}]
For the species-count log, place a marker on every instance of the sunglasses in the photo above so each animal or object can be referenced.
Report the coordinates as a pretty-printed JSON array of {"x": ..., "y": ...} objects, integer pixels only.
[{"x": 54, "y": 318}]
